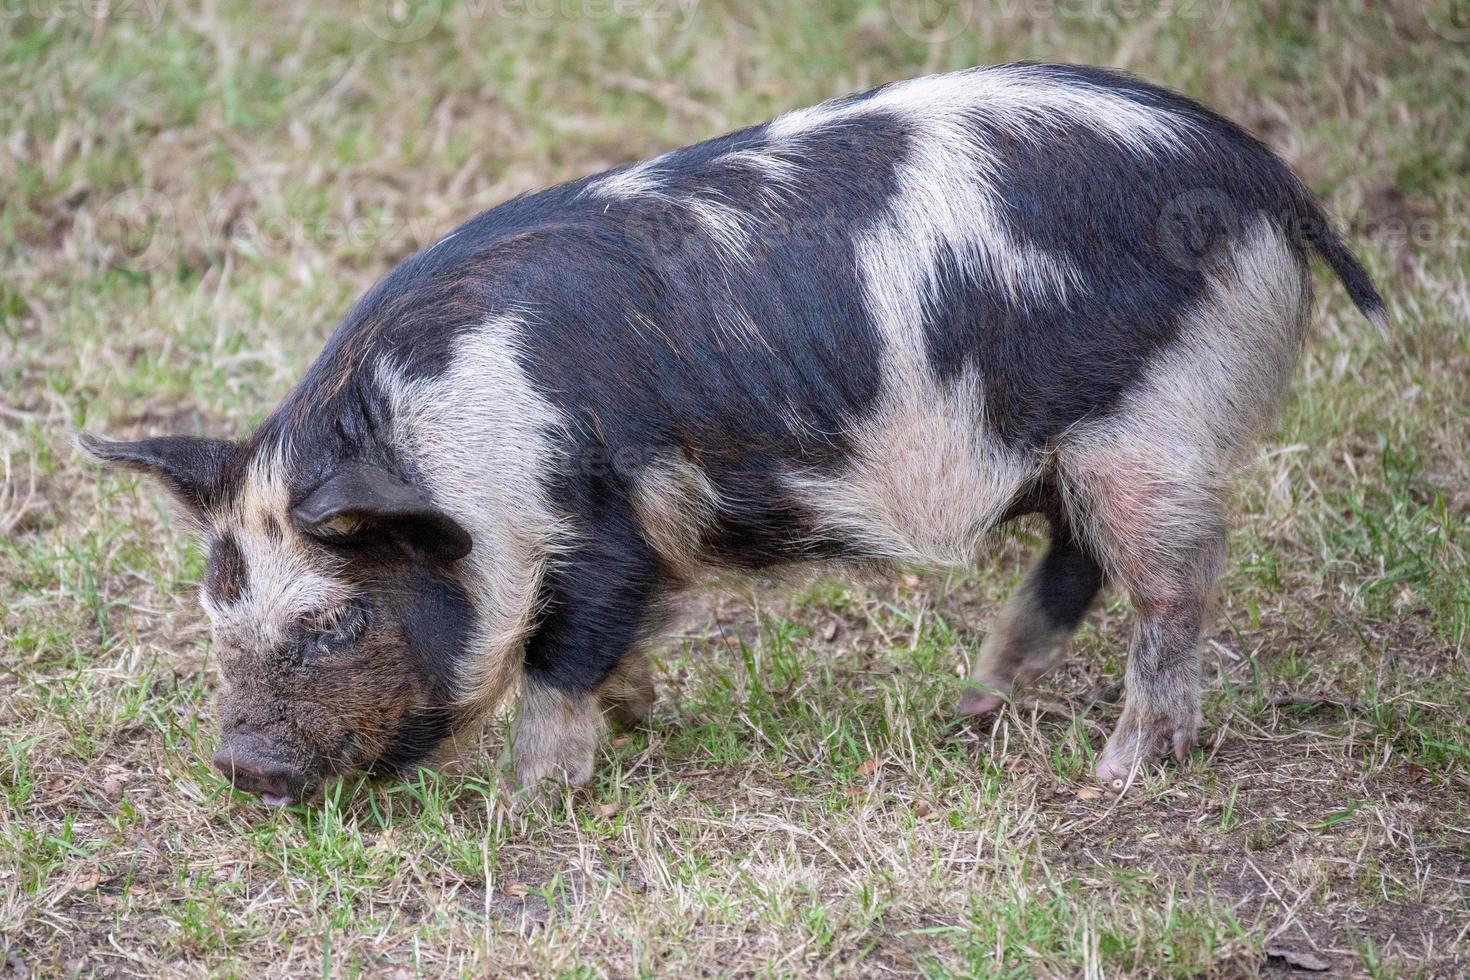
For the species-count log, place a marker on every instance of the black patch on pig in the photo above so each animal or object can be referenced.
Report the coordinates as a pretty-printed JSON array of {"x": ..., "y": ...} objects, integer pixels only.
[
  {"x": 419, "y": 736},
  {"x": 642, "y": 338},
  {"x": 436, "y": 619},
  {"x": 595, "y": 600},
  {"x": 226, "y": 576},
  {"x": 751, "y": 365}
]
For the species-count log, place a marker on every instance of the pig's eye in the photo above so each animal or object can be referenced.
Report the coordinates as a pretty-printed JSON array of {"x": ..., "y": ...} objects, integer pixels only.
[{"x": 339, "y": 628}]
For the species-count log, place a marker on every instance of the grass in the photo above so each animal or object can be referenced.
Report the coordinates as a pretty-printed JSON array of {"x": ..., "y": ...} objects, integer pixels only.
[{"x": 192, "y": 196}]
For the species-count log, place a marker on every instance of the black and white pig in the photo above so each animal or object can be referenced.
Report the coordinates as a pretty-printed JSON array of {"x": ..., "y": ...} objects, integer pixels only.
[{"x": 868, "y": 332}]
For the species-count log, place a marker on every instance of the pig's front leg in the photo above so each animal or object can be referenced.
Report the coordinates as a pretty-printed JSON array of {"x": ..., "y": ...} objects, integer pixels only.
[
  {"x": 556, "y": 736},
  {"x": 580, "y": 662},
  {"x": 557, "y": 733}
]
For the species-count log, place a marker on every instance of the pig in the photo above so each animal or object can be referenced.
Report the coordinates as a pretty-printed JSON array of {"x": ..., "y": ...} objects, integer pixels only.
[{"x": 864, "y": 335}]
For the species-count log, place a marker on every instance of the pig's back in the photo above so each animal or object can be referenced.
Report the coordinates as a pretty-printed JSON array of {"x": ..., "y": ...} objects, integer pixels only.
[{"x": 968, "y": 265}]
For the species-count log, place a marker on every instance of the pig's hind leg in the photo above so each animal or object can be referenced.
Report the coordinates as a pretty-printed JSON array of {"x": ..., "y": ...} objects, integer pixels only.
[
  {"x": 1162, "y": 538},
  {"x": 1034, "y": 625},
  {"x": 1145, "y": 484}
]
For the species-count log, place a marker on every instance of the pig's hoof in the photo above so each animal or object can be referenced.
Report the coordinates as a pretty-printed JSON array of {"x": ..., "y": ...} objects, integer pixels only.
[
  {"x": 570, "y": 764},
  {"x": 544, "y": 780},
  {"x": 1136, "y": 745},
  {"x": 576, "y": 774},
  {"x": 547, "y": 788},
  {"x": 979, "y": 702}
]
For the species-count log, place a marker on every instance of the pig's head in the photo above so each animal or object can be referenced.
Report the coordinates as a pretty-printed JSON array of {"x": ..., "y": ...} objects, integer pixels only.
[{"x": 339, "y": 617}]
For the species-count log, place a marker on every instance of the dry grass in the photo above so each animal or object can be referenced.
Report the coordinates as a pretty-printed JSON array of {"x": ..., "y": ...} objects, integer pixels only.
[{"x": 803, "y": 806}]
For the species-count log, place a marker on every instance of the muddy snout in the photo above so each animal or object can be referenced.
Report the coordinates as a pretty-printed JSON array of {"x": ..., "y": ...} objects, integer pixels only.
[{"x": 254, "y": 764}]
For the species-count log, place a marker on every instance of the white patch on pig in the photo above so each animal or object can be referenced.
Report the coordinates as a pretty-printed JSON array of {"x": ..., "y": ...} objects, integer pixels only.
[
  {"x": 728, "y": 227},
  {"x": 675, "y": 503},
  {"x": 482, "y": 439},
  {"x": 948, "y": 194},
  {"x": 285, "y": 580},
  {"x": 925, "y": 482},
  {"x": 1029, "y": 99},
  {"x": 781, "y": 173},
  {"x": 629, "y": 182}
]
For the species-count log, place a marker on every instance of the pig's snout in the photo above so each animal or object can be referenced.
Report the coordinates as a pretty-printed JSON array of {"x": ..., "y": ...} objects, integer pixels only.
[{"x": 251, "y": 765}]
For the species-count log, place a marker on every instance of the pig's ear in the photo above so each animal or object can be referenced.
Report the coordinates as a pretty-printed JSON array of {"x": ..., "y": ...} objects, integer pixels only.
[
  {"x": 360, "y": 504},
  {"x": 190, "y": 467}
]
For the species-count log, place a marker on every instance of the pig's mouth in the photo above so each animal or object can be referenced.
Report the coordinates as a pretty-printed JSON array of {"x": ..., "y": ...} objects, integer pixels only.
[{"x": 254, "y": 764}]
